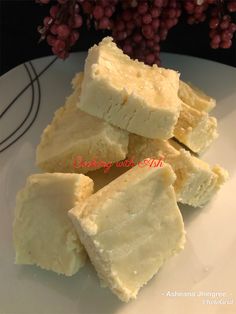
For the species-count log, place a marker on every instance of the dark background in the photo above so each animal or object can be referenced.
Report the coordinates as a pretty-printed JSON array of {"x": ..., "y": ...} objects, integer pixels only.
[{"x": 19, "y": 37}]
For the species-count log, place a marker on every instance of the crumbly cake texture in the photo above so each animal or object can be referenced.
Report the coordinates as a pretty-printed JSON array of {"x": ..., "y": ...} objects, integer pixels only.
[
  {"x": 74, "y": 137},
  {"x": 196, "y": 182},
  {"x": 129, "y": 94},
  {"x": 134, "y": 216},
  {"x": 43, "y": 234},
  {"x": 195, "y": 97},
  {"x": 195, "y": 129}
]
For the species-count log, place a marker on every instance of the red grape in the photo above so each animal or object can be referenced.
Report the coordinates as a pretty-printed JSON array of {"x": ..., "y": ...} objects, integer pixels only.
[
  {"x": 63, "y": 54},
  {"x": 74, "y": 36},
  {"x": 47, "y": 20},
  {"x": 226, "y": 35},
  {"x": 216, "y": 39},
  {"x": 224, "y": 24},
  {"x": 155, "y": 24},
  {"x": 214, "y": 45},
  {"x": 142, "y": 7},
  {"x": 54, "y": 11},
  {"x": 158, "y": 3},
  {"x": 231, "y": 5},
  {"x": 87, "y": 7},
  {"x": 163, "y": 34},
  {"x": 78, "y": 21},
  {"x": 104, "y": 23},
  {"x": 63, "y": 31},
  {"x": 51, "y": 40},
  {"x": 137, "y": 38},
  {"x": 108, "y": 11},
  {"x": 98, "y": 12},
  {"x": 147, "y": 31},
  {"x": 59, "y": 45},
  {"x": 53, "y": 29},
  {"x": 127, "y": 49},
  {"x": 147, "y": 19},
  {"x": 150, "y": 43},
  {"x": 150, "y": 58},
  {"x": 214, "y": 22},
  {"x": 156, "y": 48},
  {"x": 226, "y": 44},
  {"x": 155, "y": 12}
]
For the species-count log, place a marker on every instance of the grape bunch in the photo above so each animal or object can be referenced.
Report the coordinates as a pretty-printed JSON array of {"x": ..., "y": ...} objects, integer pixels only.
[
  {"x": 60, "y": 28},
  {"x": 137, "y": 26},
  {"x": 139, "y": 29},
  {"x": 221, "y": 26},
  {"x": 196, "y": 11}
]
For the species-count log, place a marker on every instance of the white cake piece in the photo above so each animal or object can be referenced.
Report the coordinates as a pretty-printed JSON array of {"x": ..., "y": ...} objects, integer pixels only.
[
  {"x": 195, "y": 129},
  {"x": 43, "y": 233},
  {"x": 74, "y": 138},
  {"x": 129, "y": 94},
  {"x": 196, "y": 181},
  {"x": 130, "y": 227},
  {"x": 195, "y": 97}
]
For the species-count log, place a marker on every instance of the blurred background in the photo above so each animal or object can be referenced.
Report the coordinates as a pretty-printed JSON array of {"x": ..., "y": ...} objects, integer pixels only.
[{"x": 19, "y": 37}]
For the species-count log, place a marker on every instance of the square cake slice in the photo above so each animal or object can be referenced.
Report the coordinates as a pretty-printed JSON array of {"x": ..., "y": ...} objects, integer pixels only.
[
  {"x": 78, "y": 142},
  {"x": 195, "y": 129},
  {"x": 131, "y": 227},
  {"x": 196, "y": 182},
  {"x": 195, "y": 97},
  {"x": 129, "y": 94},
  {"x": 43, "y": 233}
]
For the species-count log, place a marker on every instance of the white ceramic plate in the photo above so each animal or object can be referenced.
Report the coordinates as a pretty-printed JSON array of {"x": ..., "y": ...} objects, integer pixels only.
[{"x": 206, "y": 265}]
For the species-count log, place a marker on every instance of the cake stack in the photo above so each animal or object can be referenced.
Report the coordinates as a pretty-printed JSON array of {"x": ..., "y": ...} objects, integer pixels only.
[{"x": 119, "y": 127}]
